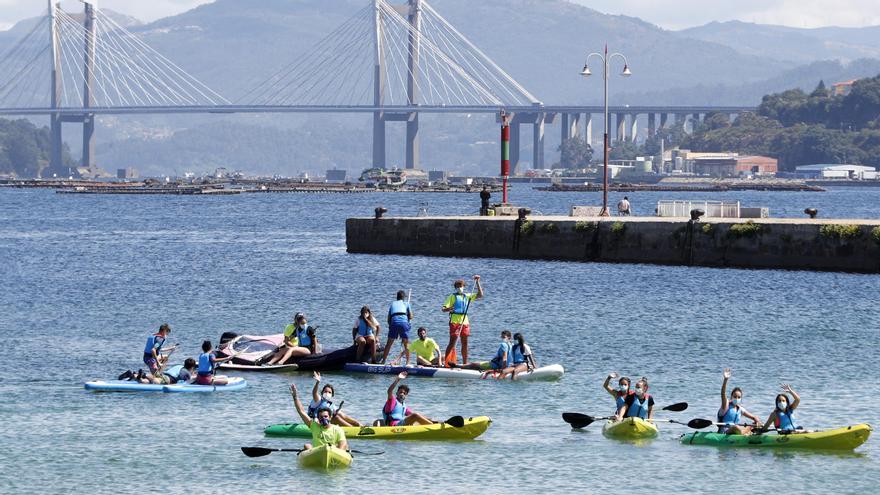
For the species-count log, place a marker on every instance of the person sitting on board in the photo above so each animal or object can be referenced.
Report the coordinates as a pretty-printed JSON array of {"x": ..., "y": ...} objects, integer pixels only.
[
  {"x": 399, "y": 317},
  {"x": 366, "y": 333},
  {"x": 732, "y": 411},
  {"x": 621, "y": 393},
  {"x": 503, "y": 358},
  {"x": 395, "y": 412},
  {"x": 522, "y": 357},
  {"x": 323, "y": 431},
  {"x": 207, "y": 362},
  {"x": 457, "y": 305},
  {"x": 153, "y": 350},
  {"x": 426, "y": 350},
  {"x": 638, "y": 405},
  {"x": 181, "y": 373},
  {"x": 782, "y": 418},
  {"x": 299, "y": 340},
  {"x": 325, "y": 401}
]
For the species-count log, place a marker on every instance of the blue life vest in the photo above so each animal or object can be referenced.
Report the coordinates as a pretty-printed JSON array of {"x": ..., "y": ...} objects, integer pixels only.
[
  {"x": 461, "y": 303},
  {"x": 498, "y": 362},
  {"x": 785, "y": 420},
  {"x": 205, "y": 366},
  {"x": 518, "y": 356},
  {"x": 731, "y": 416},
  {"x": 363, "y": 328},
  {"x": 396, "y": 414},
  {"x": 399, "y": 311},
  {"x": 621, "y": 399},
  {"x": 154, "y": 342},
  {"x": 313, "y": 408},
  {"x": 174, "y": 371},
  {"x": 638, "y": 408},
  {"x": 302, "y": 335}
]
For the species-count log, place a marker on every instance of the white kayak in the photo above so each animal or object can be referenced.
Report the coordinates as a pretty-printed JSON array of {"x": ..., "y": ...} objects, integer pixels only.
[{"x": 551, "y": 372}]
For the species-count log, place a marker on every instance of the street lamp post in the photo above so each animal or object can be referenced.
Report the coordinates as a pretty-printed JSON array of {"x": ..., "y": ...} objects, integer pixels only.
[{"x": 606, "y": 64}]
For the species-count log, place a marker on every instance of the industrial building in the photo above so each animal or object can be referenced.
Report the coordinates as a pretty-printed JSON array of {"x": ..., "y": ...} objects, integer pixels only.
[
  {"x": 735, "y": 166},
  {"x": 837, "y": 171}
]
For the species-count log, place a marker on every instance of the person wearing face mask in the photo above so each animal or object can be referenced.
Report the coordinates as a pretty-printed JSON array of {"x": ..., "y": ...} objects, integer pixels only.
[
  {"x": 457, "y": 305},
  {"x": 621, "y": 392},
  {"x": 638, "y": 405},
  {"x": 395, "y": 412},
  {"x": 299, "y": 340},
  {"x": 325, "y": 400},
  {"x": 521, "y": 358},
  {"x": 426, "y": 350},
  {"x": 323, "y": 431},
  {"x": 366, "y": 333},
  {"x": 732, "y": 410},
  {"x": 399, "y": 317},
  {"x": 503, "y": 358},
  {"x": 782, "y": 418}
]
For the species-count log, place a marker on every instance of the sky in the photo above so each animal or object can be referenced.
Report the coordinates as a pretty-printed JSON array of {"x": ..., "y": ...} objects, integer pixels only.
[{"x": 670, "y": 14}]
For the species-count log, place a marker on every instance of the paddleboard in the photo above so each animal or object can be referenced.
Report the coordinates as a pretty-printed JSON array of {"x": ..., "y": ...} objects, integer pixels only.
[{"x": 551, "y": 372}]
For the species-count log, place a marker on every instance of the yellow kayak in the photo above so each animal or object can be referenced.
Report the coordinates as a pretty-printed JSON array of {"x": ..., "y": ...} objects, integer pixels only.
[
  {"x": 630, "y": 428},
  {"x": 473, "y": 427},
  {"x": 324, "y": 457}
]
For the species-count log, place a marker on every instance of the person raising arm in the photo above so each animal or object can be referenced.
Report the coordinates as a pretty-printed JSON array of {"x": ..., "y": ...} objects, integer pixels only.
[{"x": 323, "y": 432}]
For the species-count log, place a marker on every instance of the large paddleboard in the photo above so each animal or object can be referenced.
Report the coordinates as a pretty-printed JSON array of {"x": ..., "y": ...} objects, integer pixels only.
[
  {"x": 552, "y": 372},
  {"x": 234, "y": 383},
  {"x": 127, "y": 386}
]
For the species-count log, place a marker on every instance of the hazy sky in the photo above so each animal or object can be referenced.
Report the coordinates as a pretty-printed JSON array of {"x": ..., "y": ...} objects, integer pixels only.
[{"x": 671, "y": 14}]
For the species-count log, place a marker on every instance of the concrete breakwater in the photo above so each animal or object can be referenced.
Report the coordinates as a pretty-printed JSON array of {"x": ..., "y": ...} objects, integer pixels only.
[{"x": 773, "y": 243}]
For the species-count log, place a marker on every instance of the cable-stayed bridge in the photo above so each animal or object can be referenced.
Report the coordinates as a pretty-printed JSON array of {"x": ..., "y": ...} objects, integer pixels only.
[{"x": 394, "y": 62}]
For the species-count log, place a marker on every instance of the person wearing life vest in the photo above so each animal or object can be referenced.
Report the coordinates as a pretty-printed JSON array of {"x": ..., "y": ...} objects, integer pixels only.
[
  {"x": 782, "y": 417},
  {"x": 395, "y": 412},
  {"x": 399, "y": 317},
  {"x": 323, "y": 431},
  {"x": 206, "y": 363},
  {"x": 153, "y": 350},
  {"x": 521, "y": 358},
  {"x": 457, "y": 305},
  {"x": 638, "y": 405},
  {"x": 732, "y": 410},
  {"x": 326, "y": 401},
  {"x": 621, "y": 392},
  {"x": 180, "y": 373},
  {"x": 299, "y": 340},
  {"x": 503, "y": 358},
  {"x": 366, "y": 333}
]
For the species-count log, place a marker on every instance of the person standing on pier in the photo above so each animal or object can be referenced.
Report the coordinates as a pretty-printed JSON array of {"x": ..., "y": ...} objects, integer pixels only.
[
  {"x": 457, "y": 305},
  {"x": 484, "y": 201},
  {"x": 623, "y": 207}
]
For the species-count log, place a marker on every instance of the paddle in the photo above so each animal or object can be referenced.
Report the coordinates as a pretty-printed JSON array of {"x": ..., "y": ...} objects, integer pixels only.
[
  {"x": 578, "y": 420},
  {"x": 455, "y": 422},
  {"x": 264, "y": 451}
]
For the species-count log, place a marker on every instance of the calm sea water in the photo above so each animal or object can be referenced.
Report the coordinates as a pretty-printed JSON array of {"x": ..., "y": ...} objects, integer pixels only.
[{"x": 85, "y": 279}]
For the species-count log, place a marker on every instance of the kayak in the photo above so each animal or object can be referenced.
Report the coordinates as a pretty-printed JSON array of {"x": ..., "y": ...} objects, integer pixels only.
[
  {"x": 630, "y": 429},
  {"x": 552, "y": 372},
  {"x": 473, "y": 427},
  {"x": 247, "y": 350},
  {"x": 131, "y": 386},
  {"x": 324, "y": 457},
  {"x": 846, "y": 438}
]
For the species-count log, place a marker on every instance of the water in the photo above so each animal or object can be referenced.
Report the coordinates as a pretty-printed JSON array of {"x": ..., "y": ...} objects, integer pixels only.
[{"x": 86, "y": 278}]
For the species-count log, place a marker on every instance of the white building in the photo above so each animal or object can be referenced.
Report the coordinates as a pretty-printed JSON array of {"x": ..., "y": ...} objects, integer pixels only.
[{"x": 837, "y": 171}]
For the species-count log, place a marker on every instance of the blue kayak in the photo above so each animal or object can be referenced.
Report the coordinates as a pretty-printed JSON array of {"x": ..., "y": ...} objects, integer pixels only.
[{"x": 235, "y": 383}]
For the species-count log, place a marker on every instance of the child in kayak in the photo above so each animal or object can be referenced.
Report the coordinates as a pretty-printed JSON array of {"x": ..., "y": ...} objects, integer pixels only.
[
  {"x": 732, "y": 411},
  {"x": 395, "y": 411},
  {"x": 503, "y": 358},
  {"x": 521, "y": 357},
  {"x": 640, "y": 404},
  {"x": 621, "y": 393},
  {"x": 365, "y": 333},
  {"x": 323, "y": 431},
  {"x": 782, "y": 418},
  {"x": 153, "y": 350},
  {"x": 325, "y": 401},
  {"x": 207, "y": 362}
]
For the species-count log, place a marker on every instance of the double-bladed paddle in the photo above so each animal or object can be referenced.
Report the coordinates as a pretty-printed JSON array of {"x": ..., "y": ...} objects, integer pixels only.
[
  {"x": 455, "y": 422},
  {"x": 263, "y": 451},
  {"x": 578, "y": 420}
]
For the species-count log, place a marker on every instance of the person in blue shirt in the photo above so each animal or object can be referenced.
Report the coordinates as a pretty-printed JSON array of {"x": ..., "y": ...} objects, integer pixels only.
[
  {"x": 399, "y": 317},
  {"x": 206, "y": 363},
  {"x": 153, "y": 350}
]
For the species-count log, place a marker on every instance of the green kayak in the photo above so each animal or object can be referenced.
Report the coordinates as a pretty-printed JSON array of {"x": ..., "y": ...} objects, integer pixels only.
[{"x": 846, "y": 438}]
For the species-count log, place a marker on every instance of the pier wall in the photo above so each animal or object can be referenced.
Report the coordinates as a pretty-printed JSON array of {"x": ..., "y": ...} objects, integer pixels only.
[{"x": 796, "y": 244}]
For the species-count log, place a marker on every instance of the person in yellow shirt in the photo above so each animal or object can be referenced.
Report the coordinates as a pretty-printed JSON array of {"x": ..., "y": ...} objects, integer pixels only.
[
  {"x": 426, "y": 350},
  {"x": 323, "y": 432},
  {"x": 457, "y": 305}
]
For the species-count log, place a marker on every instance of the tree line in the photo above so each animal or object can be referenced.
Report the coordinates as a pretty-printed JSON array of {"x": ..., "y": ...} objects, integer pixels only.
[{"x": 25, "y": 148}]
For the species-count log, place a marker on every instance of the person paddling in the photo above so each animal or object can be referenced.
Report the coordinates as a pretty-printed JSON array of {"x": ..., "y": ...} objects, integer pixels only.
[
  {"x": 638, "y": 405},
  {"x": 153, "y": 350},
  {"x": 325, "y": 401},
  {"x": 502, "y": 359},
  {"x": 399, "y": 317},
  {"x": 621, "y": 392},
  {"x": 323, "y": 431},
  {"x": 206, "y": 364},
  {"x": 426, "y": 350},
  {"x": 395, "y": 412},
  {"x": 366, "y": 333},
  {"x": 457, "y": 305},
  {"x": 782, "y": 417},
  {"x": 521, "y": 359},
  {"x": 299, "y": 340},
  {"x": 732, "y": 410}
]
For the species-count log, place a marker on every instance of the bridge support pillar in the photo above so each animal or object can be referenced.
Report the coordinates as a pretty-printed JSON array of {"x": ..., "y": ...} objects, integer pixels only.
[
  {"x": 633, "y": 127},
  {"x": 88, "y": 152},
  {"x": 412, "y": 141},
  {"x": 514, "y": 146},
  {"x": 652, "y": 125},
  {"x": 620, "y": 120},
  {"x": 664, "y": 117},
  {"x": 588, "y": 128},
  {"x": 378, "y": 140},
  {"x": 538, "y": 143}
]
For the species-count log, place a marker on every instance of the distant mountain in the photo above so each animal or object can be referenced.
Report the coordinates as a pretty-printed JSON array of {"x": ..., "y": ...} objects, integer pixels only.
[
  {"x": 23, "y": 27},
  {"x": 791, "y": 44}
]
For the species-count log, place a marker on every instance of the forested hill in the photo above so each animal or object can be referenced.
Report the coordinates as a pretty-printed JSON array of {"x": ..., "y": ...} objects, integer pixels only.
[{"x": 24, "y": 150}]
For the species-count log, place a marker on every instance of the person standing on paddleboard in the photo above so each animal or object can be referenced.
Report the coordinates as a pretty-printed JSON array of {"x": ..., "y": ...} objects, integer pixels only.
[
  {"x": 399, "y": 317},
  {"x": 457, "y": 305}
]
